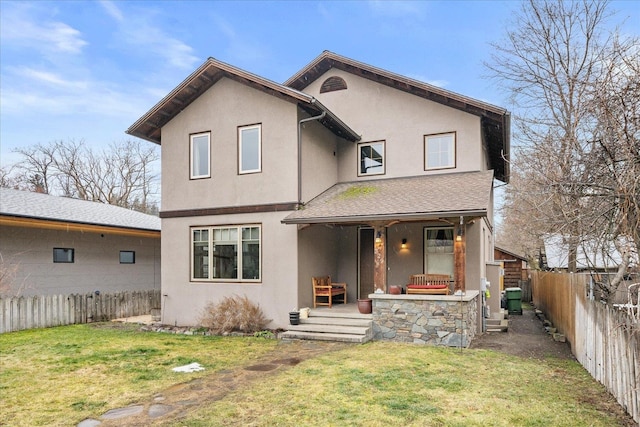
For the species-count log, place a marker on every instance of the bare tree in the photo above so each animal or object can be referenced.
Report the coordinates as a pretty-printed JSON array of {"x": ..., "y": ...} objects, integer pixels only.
[
  {"x": 122, "y": 174},
  {"x": 560, "y": 68}
]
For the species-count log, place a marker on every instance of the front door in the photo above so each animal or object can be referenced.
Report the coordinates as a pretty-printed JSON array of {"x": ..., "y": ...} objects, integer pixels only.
[{"x": 365, "y": 262}]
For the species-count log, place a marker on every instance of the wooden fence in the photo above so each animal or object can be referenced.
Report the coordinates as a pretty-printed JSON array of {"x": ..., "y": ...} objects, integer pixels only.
[
  {"x": 604, "y": 339},
  {"x": 19, "y": 313}
]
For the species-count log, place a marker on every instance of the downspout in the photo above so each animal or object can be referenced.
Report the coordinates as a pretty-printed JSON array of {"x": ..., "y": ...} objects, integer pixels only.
[{"x": 308, "y": 119}]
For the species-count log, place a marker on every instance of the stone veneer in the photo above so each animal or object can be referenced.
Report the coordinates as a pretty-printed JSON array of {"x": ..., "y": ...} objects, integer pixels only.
[{"x": 445, "y": 320}]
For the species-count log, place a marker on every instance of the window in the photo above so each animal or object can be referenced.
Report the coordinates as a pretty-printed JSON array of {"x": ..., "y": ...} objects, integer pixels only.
[
  {"x": 63, "y": 255},
  {"x": 371, "y": 158},
  {"x": 438, "y": 251},
  {"x": 230, "y": 253},
  {"x": 440, "y": 151},
  {"x": 249, "y": 149},
  {"x": 127, "y": 257},
  {"x": 200, "y": 155}
]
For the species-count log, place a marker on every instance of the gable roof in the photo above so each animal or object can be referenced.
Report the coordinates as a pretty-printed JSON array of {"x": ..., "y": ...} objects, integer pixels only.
[
  {"x": 495, "y": 121},
  {"x": 211, "y": 71},
  {"x": 25, "y": 205},
  {"x": 412, "y": 198},
  {"x": 590, "y": 254}
]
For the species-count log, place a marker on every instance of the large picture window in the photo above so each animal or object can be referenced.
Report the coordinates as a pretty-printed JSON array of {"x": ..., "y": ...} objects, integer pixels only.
[
  {"x": 438, "y": 250},
  {"x": 200, "y": 149},
  {"x": 440, "y": 151},
  {"x": 249, "y": 149},
  {"x": 230, "y": 253},
  {"x": 371, "y": 158}
]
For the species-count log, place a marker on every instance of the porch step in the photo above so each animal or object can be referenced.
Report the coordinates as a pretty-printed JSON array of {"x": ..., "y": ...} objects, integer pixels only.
[{"x": 342, "y": 324}]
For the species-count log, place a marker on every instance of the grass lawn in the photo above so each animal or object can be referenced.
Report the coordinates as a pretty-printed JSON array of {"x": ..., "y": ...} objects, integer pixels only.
[{"x": 62, "y": 375}]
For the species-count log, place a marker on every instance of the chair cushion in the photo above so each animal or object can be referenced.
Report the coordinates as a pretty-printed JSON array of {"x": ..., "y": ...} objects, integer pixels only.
[{"x": 427, "y": 286}]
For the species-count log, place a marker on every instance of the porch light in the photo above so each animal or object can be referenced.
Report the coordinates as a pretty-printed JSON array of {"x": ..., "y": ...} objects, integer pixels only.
[
  {"x": 404, "y": 244},
  {"x": 459, "y": 236},
  {"x": 378, "y": 237}
]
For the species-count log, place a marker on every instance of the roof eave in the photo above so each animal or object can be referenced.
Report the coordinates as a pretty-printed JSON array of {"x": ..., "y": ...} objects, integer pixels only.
[{"x": 363, "y": 219}]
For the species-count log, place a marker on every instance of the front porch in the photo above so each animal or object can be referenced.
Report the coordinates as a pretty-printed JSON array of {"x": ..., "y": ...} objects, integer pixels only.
[{"x": 420, "y": 319}]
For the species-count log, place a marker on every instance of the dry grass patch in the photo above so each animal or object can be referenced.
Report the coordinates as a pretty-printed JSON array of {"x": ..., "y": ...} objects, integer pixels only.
[
  {"x": 59, "y": 376},
  {"x": 381, "y": 384}
]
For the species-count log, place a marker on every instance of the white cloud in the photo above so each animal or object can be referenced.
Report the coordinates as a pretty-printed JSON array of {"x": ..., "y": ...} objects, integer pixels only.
[
  {"x": 47, "y": 36},
  {"x": 112, "y": 10},
  {"x": 51, "y": 79},
  {"x": 437, "y": 82}
]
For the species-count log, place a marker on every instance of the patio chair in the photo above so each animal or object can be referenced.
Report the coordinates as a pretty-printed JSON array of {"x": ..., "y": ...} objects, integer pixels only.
[{"x": 324, "y": 288}]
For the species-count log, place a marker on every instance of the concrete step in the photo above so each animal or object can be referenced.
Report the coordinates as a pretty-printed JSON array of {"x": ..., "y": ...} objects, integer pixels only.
[
  {"x": 337, "y": 329},
  {"x": 318, "y": 336},
  {"x": 497, "y": 325},
  {"x": 328, "y": 313},
  {"x": 314, "y": 320}
]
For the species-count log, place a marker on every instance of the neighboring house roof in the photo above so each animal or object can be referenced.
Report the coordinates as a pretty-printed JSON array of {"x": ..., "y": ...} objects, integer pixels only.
[
  {"x": 590, "y": 254},
  {"x": 495, "y": 121},
  {"x": 149, "y": 125},
  {"x": 26, "y": 205},
  {"x": 420, "y": 197},
  {"x": 511, "y": 253}
]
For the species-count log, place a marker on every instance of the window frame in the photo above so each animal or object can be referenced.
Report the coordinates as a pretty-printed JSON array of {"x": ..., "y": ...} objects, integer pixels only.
[
  {"x": 192, "y": 174},
  {"x": 361, "y": 145},
  {"x": 426, "y": 249},
  {"x": 240, "y": 257},
  {"x": 133, "y": 257},
  {"x": 454, "y": 143},
  {"x": 65, "y": 260},
  {"x": 257, "y": 126}
]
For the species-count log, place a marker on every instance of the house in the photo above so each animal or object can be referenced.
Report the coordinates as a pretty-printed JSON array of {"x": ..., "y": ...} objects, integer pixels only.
[
  {"x": 58, "y": 245},
  {"x": 345, "y": 170},
  {"x": 592, "y": 255}
]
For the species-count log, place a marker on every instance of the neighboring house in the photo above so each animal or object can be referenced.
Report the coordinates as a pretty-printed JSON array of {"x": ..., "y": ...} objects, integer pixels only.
[
  {"x": 58, "y": 245},
  {"x": 590, "y": 256},
  {"x": 344, "y": 170},
  {"x": 516, "y": 267}
]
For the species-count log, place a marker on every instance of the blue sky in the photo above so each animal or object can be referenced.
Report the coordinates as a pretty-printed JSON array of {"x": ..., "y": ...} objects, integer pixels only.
[{"x": 89, "y": 69}]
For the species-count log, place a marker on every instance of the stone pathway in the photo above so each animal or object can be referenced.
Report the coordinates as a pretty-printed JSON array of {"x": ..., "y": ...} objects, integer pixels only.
[{"x": 177, "y": 400}]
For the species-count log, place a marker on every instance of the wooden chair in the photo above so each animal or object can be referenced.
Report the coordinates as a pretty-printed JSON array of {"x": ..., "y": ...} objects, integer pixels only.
[
  {"x": 324, "y": 288},
  {"x": 429, "y": 284}
]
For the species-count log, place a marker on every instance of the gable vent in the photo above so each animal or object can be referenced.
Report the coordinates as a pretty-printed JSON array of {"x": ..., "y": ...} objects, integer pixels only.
[{"x": 333, "y": 84}]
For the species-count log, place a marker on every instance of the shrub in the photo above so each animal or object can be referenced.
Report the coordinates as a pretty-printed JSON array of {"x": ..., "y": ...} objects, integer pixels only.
[{"x": 233, "y": 314}]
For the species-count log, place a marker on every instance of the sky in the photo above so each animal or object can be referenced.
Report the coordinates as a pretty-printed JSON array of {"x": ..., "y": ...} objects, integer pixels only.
[{"x": 87, "y": 70}]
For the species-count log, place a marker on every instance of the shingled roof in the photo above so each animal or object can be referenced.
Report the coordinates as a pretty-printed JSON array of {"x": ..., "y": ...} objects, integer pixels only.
[
  {"x": 413, "y": 198},
  {"x": 37, "y": 206}
]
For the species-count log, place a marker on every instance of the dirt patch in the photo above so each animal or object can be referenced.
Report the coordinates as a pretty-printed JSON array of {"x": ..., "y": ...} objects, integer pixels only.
[{"x": 526, "y": 337}]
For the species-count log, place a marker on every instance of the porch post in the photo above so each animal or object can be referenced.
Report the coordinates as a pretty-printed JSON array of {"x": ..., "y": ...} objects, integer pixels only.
[
  {"x": 459, "y": 256},
  {"x": 380, "y": 259}
]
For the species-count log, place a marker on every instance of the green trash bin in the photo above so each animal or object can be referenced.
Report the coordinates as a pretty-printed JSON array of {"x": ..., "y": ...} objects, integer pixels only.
[{"x": 514, "y": 300}]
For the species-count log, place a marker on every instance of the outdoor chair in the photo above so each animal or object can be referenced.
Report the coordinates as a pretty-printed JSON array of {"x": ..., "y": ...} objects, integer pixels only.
[{"x": 323, "y": 289}]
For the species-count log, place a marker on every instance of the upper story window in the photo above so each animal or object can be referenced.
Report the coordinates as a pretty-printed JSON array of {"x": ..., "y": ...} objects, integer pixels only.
[
  {"x": 200, "y": 149},
  {"x": 229, "y": 253},
  {"x": 371, "y": 158},
  {"x": 63, "y": 255},
  {"x": 440, "y": 151},
  {"x": 249, "y": 149}
]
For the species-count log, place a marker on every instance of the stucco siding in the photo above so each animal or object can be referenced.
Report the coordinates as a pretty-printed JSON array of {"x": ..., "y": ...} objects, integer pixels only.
[
  {"x": 319, "y": 159},
  {"x": 379, "y": 112},
  {"x": 277, "y": 293},
  {"x": 220, "y": 110},
  {"x": 96, "y": 266}
]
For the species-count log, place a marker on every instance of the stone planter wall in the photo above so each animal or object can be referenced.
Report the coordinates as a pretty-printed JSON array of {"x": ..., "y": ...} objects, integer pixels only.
[{"x": 425, "y": 319}]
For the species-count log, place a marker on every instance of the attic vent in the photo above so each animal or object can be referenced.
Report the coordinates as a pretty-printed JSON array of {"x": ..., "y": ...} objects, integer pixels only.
[{"x": 332, "y": 84}]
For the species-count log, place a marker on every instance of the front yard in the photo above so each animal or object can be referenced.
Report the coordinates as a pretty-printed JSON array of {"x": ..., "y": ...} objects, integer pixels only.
[{"x": 63, "y": 375}]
